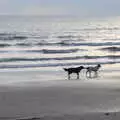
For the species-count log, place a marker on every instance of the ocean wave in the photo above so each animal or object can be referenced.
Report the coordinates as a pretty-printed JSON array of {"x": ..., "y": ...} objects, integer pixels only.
[
  {"x": 91, "y": 44},
  {"x": 46, "y": 51},
  {"x": 57, "y": 58},
  {"x": 55, "y": 64},
  {"x": 112, "y": 49},
  {"x": 53, "y": 51},
  {"x": 64, "y": 43},
  {"x": 23, "y": 44},
  {"x": 4, "y": 45},
  {"x": 39, "y": 59},
  {"x": 11, "y": 36}
]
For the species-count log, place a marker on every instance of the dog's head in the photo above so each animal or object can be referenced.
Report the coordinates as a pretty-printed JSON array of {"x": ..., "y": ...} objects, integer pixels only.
[
  {"x": 99, "y": 65},
  {"x": 65, "y": 69},
  {"x": 81, "y": 67}
]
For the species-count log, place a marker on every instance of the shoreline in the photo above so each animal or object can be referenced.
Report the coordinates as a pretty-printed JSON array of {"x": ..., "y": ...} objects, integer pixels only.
[{"x": 19, "y": 76}]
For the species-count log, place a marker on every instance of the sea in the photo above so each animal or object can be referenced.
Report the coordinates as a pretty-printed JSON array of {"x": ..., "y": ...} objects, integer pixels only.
[{"x": 58, "y": 41}]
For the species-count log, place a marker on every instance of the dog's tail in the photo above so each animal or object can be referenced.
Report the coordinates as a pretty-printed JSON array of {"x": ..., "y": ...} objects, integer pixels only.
[{"x": 65, "y": 69}]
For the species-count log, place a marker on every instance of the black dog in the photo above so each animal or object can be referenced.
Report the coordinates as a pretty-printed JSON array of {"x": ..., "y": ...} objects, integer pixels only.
[
  {"x": 93, "y": 69},
  {"x": 73, "y": 70}
]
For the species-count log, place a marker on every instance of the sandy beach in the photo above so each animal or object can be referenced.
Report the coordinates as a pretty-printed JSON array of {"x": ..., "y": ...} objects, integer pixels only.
[
  {"x": 40, "y": 40},
  {"x": 38, "y": 97}
]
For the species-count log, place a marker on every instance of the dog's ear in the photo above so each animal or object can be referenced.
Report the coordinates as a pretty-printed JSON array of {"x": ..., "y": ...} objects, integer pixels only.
[{"x": 99, "y": 65}]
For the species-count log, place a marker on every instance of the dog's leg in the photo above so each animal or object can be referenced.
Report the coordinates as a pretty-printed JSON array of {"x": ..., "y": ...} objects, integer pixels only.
[
  {"x": 96, "y": 74},
  {"x": 86, "y": 73},
  {"x": 77, "y": 75},
  {"x": 90, "y": 76},
  {"x": 68, "y": 76}
]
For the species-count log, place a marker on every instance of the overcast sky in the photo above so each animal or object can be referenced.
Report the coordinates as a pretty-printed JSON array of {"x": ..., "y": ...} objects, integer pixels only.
[{"x": 82, "y": 8}]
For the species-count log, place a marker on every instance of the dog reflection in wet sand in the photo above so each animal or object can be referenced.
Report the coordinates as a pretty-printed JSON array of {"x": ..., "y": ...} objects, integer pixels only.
[
  {"x": 73, "y": 70},
  {"x": 92, "y": 69}
]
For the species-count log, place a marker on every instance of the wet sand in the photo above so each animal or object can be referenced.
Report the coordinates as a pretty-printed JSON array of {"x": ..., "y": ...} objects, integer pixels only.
[{"x": 61, "y": 99}]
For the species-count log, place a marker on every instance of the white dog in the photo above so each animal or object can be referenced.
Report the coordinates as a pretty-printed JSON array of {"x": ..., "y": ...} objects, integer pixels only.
[{"x": 93, "y": 69}]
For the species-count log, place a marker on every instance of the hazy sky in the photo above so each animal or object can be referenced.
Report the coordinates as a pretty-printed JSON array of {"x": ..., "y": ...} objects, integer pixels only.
[{"x": 83, "y": 8}]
